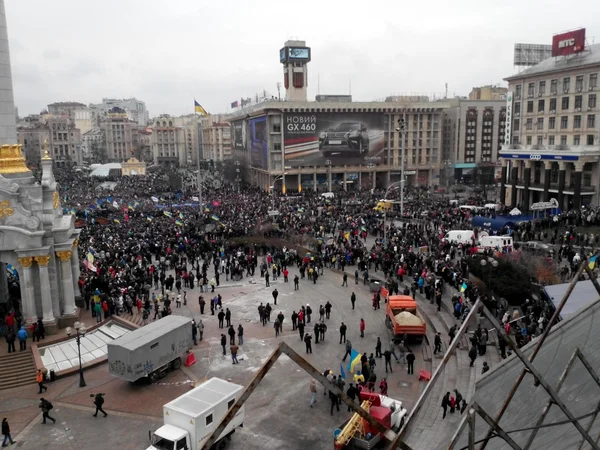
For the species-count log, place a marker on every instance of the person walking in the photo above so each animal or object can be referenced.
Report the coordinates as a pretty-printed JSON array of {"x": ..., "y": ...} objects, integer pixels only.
[
  {"x": 410, "y": 360},
  {"x": 345, "y": 280},
  {"x": 267, "y": 279},
  {"x": 240, "y": 334},
  {"x": 10, "y": 340},
  {"x": 353, "y": 299},
  {"x": 296, "y": 283},
  {"x": 6, "y": 433},
  {"x": 221, "y": 317},
  {"x": 276, "y": 325},
  {"x": 343, "y": 329},
  {"x": 383, "y": 387},
  {"x": 473, "y": 355},
  {"x": 99, "y": 401},
  {"x": 46, "y": 407},
  {"x": 378, "y": 348},
  {"x": 312, "y": 388},
  {"x": 275, "y": 295},
  {"x": 39, "y": 378},
  {"x": 234, "y": 349},
  {"x": 201, "y": 329},
  {"x": 445, "y": 404},
  {"x": 22, "y": 335},
  {"x": 231, "y": 333},
  {"x": 348, "y": 350},
  {"x": 223, "y": 343},
  {"x": 387, "y": 355},
  {"x": 362, "y": 327},
  {"x": 227, "y": 317},
  {"x": 437, "y": 343},
  {"x": 307, "y": 342}
]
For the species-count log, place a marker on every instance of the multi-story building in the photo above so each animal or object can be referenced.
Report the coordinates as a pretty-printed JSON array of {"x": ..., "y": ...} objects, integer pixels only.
[
  {"x": 32, "y": 140},
  {"x": 93, "y": 147},
  {"x": 64, "y": 144},
  {"x": 65, "y": 108},
  {"x": 488, "y": 93},
  {"x": 143, "y": 145},
  {"x": 118, "y": 133},
  {"x": 168, "y": 141},
  {"x": 134, "y": 108},
  {"x": 473, "y": 136},
  {"x": 552, "y": 149},
  {"x": 216, "y": 138}
]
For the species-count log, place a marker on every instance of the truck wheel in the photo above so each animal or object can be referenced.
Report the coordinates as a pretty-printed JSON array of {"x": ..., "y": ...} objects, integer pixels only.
[
  {"x": 153, "y": 376},
  {"x": 176, "y": 364}
]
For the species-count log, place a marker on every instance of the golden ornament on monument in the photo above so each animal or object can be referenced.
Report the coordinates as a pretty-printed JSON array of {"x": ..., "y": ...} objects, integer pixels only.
[
  {"x": 5, "y": 209},
  {"x": 42, "y": 260},
  {"x": 64, "y": 256},
  {"x": 55, "y": 200},
  {"x": 26, "y": 261}
]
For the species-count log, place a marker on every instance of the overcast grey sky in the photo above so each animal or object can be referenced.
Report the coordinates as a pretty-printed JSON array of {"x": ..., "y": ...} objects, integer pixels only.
[{"x": 168, "y": 53}]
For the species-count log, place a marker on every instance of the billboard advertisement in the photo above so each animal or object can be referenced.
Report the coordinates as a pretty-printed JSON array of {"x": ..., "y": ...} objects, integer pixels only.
[
  {"x": 568, "y": 43},
  {"x": 238, "y": 135},
  {"x": 333, "y": 138},
  {"x": 257, "y": 142},
  {"x": 531, "y": 54}
]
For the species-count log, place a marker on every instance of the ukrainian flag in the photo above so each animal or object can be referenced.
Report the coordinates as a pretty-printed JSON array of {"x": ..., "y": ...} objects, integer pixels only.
[
  {"x": 354, "y": 364},
  {"x": 168, "y": 214},
  {"x": 592, "y": 263},
  {"x": 463, "y": 287},
  {"x": 181, "y": 215},
  {"x": 116, "y": 221},
  {"x": 179, "y": 223},
  {"x": 199, "y": 109},
  {"x": 215, "y": 217},
  {"x": 149, "y": 219},
  {"x": 131, "y": 208}
]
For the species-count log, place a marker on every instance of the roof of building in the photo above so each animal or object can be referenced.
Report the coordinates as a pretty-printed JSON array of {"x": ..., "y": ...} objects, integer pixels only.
[
  {"x": 590, "y": 56},
  {"x": 579, "y": 391},
  {"x": 583, "y": 294},
  {"x": 104, "y": 170},
  {"x": 67, "y": 104}
]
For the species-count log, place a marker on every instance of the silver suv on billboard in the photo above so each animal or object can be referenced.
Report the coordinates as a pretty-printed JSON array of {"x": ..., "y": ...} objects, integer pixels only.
[{"x": 346, "y": 137}]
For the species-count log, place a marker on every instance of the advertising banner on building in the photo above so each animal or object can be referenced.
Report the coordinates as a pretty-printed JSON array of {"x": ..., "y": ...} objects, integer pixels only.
[
  {"x": 238, "y": 135},
  {"x": 314, "y": 139},
  {"x": 257, "y": 142},
  {"x": 568, "y": 43},
  {"x": 509, "y": 118}
]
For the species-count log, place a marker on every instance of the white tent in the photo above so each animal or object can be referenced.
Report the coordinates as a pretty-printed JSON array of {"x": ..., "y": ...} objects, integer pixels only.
[{"x": 515, "y": 212}]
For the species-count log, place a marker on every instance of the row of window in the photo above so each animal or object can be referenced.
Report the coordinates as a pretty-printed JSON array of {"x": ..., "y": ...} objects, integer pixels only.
[
  {"x": 564, "y": 123},
  {"x": 564, "y": 84},
  {"x": 576, "y": 140},
  {"x": 565, "y": 103}
]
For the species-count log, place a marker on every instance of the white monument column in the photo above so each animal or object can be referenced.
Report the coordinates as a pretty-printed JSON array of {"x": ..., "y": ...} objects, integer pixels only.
[
  {"x": 66, "y": 276},
  {"x": 75, "y": 268},
  {"x": 8, "y": 121},
  {"x": 45, "y": 289},
  {"x": 27, "y": 293}
]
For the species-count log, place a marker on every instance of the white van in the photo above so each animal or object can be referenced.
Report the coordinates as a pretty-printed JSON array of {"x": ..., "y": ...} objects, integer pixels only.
[
  {"x": 470, "y": 208},
  {"x": 496, "y": 243},
  {"x": 493, "y": 206},
  {"x": 328, "y": 195},
  {"x": 459, "y": 237}
]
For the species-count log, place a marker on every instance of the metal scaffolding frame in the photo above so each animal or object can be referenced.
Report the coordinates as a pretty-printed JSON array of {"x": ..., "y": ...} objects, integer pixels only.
[
  {"x": 474, "y": 408},
  {"x": 283, "y": 348}
]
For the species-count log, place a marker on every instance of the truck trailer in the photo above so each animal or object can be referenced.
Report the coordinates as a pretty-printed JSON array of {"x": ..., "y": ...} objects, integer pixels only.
[
  {"x": 191, "y": 418},
  {"x": 152, "y": 350},
  {"x": 403, "y": 317}
]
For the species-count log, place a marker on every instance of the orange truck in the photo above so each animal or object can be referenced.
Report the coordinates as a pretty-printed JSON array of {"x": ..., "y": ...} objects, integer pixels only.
[{"x": 403, "y": 317}]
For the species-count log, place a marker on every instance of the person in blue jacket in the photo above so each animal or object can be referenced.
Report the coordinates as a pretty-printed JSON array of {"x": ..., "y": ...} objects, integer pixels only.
[{"x": 22, "y": 335}]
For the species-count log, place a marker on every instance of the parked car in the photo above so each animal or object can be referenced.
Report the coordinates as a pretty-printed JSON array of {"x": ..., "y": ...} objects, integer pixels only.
[
  {"x": 537, "y": 247},
  {"x": 347, "y": 137}
]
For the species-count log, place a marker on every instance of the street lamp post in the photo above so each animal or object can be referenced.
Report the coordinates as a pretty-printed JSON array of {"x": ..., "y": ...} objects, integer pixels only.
[
  {"x": 390, "y": 187},
  {"x": 402, "y": 130},
  {"x": 280, "y": 177},
  {"x": 80, "y": 331},
  {"x": 493, "y": 264}
]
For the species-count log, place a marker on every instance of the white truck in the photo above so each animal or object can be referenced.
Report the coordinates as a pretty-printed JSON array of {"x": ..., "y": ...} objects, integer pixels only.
[
  {"x": 495, "y": 243},
  {"x": 191, "y": 418},
  {"x": 152, "y": 350}
]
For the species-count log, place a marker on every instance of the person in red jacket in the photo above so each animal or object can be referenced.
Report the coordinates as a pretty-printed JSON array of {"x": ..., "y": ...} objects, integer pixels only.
[
  {"x": 362, "y": 328},
  {"x": 285, "y": 275}
]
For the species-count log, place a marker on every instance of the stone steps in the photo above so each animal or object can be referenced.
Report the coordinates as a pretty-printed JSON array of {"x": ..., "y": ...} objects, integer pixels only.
[{"x": 17, "y": 369}]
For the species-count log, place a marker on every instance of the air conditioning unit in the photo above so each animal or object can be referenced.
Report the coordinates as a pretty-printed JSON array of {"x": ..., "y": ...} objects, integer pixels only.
[
  {"x": 589, "y": 108},
  {"x": 539, "y": 94},
  {"x": 577, "y": 109},
  {"x": 591, "y": 88},
  {"x": 552, "y": 111},
  {"x": 529, "y": 95},
  {"x": 552, "y": 92},
  {"x": 580, "y": 89},
  {"x": 517, "y": 114}
]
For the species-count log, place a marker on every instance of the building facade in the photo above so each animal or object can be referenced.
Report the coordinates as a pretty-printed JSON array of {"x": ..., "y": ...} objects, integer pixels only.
[
  {"x": 32, "y": 141},
  {"x": 216, "y": 138},
  {"x": 488, "y": 93},
  {"x": 552, "y": 150},
  {"x": 134, "y": 108},
  {"x": 118, "y": 133},
  {"x": 93, "y": 147},
  {"x": 168, "y": 141},
  {"x": 317, "y": 145},
  {"x": 64, "y": 144}
]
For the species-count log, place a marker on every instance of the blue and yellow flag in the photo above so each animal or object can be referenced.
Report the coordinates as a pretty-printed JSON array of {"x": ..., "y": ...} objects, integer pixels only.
[
  {"x": 181, "y": 215},
  {"x": 215, "y": 217},
  {"x": 199, "y": 109},
  {"x": 592, "y": 263},
  {"x": 149, "y": 219},
  {"x": 354, "y": 364},
  {"x": 168, "y": 214},
  {"x": 463, "y": 288},
  {"x": 178, "y": 223},
  {"x": 116, "y": 221}
]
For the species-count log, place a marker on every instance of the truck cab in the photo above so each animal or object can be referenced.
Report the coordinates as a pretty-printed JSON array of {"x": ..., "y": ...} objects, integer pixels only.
[{"x": 169, "y": 437}]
